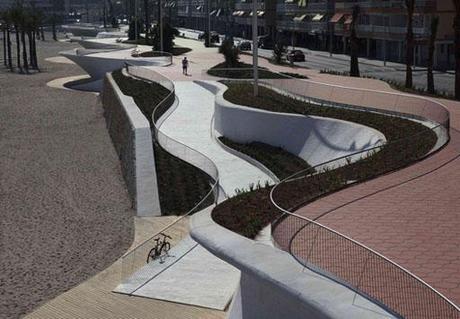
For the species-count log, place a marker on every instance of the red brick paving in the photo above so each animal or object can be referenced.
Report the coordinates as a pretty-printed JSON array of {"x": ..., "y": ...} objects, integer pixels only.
[{"x": 411, "y": 216}]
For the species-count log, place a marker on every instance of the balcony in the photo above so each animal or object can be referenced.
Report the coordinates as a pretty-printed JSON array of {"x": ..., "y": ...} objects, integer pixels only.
[{"x": 379, "y": 4}]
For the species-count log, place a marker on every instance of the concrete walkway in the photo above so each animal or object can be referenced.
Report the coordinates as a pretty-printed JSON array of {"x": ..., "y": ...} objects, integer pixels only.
[
  {"x": 191, "y": 125},
  {"x": 181, "y": 278}
]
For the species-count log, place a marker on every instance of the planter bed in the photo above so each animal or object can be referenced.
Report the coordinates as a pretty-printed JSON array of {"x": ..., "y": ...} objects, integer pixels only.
[
  {"x": 282, "y": 163},
  {"x": 250, "y": 212},
  {"x": 223, "y": 71},
  {"x": 180, "y": 185}
]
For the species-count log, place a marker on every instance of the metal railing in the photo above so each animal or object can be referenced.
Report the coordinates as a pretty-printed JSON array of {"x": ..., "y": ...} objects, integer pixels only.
[
  {"x": 331, "y": 253},
  {"x": 134, "y": 260}
]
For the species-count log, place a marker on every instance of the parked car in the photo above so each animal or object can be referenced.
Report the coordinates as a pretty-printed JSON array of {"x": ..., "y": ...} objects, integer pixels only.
[
  {"x": 214, "y": 36},
  {"x": 296, "y": 56},
  {"x": 265, "y": 42},
  {"x": 245, "y": 46}
]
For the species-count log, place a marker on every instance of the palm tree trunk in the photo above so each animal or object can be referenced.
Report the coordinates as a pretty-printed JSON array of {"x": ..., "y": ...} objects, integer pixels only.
[
  {"x": 354, "y": 44},
  {"x": 409, "y": 43},
  {"x": 147, "y": 20},
  {"x": 18, "y": 47},
  {"x": 29, "y": 37},
  {"x": 34, "y": 45},
  {"x": 5, "y": 54},
  {"x": 24, "y": 51},
  {"x": 431, "y": 49},
  {"x": 457, "y": 54},
  {"x": 53, "y": 26},
  {"x": 8, "y": 40}
]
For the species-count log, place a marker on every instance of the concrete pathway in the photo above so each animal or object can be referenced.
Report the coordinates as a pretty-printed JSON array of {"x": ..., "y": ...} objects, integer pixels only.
[
  {"x": 181, "y": 278},
  {"x": 191, "y": 125}
]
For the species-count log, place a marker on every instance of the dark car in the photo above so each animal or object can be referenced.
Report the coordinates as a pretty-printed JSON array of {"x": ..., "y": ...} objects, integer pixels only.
[
  {"x": 214, "y": 36},
  {"x": 266, "y": 42},
  {"x": 296, "y": 56},
  {"x": 245, "y": 46}
]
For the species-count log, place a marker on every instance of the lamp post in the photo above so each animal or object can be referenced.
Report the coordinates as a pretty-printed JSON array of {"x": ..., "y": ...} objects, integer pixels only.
[
  {"x": 255, "y": 47},
  {"x": 136, "y": 10},
  {"x": 160, "y": 21},
  {"x": 208, "y": 5}
]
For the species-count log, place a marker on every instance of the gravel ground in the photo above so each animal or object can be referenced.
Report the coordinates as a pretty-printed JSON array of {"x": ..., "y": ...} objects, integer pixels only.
[{"x": 65, "y": 214}]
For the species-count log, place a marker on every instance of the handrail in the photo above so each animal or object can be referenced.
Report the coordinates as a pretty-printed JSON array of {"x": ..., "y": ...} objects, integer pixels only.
[
  {"x": 135, "y": 258},
  {"x": 450, "y": 310}
]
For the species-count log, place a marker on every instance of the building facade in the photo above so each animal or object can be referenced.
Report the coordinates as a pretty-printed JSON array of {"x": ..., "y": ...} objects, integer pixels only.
[{"x": 382, "y": 28}]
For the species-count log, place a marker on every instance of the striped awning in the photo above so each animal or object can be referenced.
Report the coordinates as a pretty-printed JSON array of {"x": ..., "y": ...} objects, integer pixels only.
[
  {"x": 318, "y": 17},
  {"x": 349, "y": 19},
  {"x": 337, "y": 17},
  {"x": 300, "y": 18}
]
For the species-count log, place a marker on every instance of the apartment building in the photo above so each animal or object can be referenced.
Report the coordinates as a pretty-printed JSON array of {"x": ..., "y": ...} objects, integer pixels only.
[
  {"x": 305, "y": 23},
  {"x": 382, "y": 29}
]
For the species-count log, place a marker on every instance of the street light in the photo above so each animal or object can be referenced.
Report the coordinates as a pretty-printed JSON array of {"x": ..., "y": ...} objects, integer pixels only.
[{"x": 255, "y": 47}]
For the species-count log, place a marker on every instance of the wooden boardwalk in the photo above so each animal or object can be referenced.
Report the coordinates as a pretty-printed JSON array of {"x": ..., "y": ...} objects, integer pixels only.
[{"x": 94, "y": 299}]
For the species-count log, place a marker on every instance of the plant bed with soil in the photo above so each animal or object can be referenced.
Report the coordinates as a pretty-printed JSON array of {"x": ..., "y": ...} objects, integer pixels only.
[
  {"x": 242, "y": 71},
  {"x": 181, "y": 185},
  {"x": 248, "y": 213},
  {"x": 279, "y": 161},
  {"x": 175, "y": 52}
]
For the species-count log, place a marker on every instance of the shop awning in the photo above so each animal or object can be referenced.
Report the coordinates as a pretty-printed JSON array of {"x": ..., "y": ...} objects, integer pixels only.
[
  {"x": 212, "y": 12},
  {"x": 337, "y": 17},
  {"x": 317, "y": 17},
  {"x": 235, "y": 13},
  {"x": 288, "y": 1},
  {"x": 218, "y": 12},
  {"x": 260, "y": 13},
  {"x": 300, "y": 18},
  {"x": 302, "y": 3},
  {"x": 199, "y": 8},
  {"x": 348, "y": 19}
]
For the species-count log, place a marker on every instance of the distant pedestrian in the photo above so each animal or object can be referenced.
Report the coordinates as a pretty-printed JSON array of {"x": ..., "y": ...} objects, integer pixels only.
[{"x": 184, "y": 66}]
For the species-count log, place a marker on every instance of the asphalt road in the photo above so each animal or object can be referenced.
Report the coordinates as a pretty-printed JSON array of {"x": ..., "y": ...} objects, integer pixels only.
[{"x": 320, "y": 60}]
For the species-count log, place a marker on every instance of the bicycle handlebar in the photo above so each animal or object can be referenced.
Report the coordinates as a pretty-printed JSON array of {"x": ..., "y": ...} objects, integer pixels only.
[{"x": 165, "y": 236}]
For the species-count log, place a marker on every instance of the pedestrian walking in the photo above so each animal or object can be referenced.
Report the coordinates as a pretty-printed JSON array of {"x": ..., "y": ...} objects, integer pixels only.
[{"x": 184, "y": 66}]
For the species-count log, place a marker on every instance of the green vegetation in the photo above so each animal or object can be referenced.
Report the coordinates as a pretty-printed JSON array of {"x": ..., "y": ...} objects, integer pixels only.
[
  {"x": 181, "y": 186},
  {"x": 282, "y": 163},
  {"x": 250, "y": 212},
  {"x": 175, "y": 51},
  {"x": 242, "y": 71}
]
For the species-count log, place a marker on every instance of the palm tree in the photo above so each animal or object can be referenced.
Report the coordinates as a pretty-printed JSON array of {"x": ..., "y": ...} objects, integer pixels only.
[
  {"x": 4, "y": 30},
  {"x": 431, "y": 48},
  {"x": 457, "y": 47},
  {"x": 23, "y": 26},
  {"x": 147, "y": 20},
  {"x": 7, "y": 19},
  {"x": 410, "y": 7},
  {"x": 354, "y": 43},
  {"x": 16, "y": 13}
]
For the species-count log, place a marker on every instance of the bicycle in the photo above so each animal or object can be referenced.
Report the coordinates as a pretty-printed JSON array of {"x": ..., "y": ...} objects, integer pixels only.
[{"x": 160, "y": 250}]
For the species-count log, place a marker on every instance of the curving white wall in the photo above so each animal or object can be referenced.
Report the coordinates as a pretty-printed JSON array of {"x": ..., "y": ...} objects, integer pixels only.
[
  {"x": 274, "y": 285},
  {"x": 314, "y": 139},
  {"x": 132, "y": 138},
  {"x": 99, "y": 62}
]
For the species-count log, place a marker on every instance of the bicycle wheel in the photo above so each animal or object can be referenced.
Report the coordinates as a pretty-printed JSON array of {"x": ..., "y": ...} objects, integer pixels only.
[
  {"x": 151, "y": 255},
  {"x": 167, "y": 247}
]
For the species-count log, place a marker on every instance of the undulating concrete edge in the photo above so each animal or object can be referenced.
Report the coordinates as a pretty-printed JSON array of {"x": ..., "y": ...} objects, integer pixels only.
[
  {"x": 314, "y": 139},
  {"x": 274, "y": 285},
  {"x": 215, "y": 87},
  {"x": 132, "y": 138}
]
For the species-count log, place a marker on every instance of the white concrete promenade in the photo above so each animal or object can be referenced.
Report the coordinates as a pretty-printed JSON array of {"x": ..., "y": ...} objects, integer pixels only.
[
  {"x": 191, "y": 125},
  {"x": 192, "y": 275}
]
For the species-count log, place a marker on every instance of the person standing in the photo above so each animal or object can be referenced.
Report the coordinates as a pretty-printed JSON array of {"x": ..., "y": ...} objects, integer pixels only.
[{"x": 184, "y": 66}]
